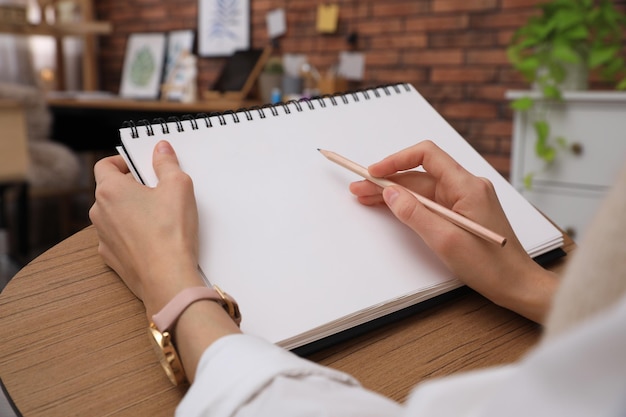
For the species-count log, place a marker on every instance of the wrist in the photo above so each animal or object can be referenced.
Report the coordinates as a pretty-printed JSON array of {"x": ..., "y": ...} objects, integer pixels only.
[
  {"x": 199, "y": 327},
  {"x": 532, "y": 294},
  {"x": 164, "y": 284},
  {"x": 195, "y": 317},
  {"x": 168, "y": 316}
]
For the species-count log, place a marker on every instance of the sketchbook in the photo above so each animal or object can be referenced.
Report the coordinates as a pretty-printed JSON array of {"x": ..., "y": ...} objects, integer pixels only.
[{"x": 279, "y": 229}]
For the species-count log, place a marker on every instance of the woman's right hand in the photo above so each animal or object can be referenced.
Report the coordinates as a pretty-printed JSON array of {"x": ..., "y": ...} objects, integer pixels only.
[{"x": 506, "y": 275}]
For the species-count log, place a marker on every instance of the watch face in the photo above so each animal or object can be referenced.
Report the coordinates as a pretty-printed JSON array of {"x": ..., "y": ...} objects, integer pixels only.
[{"x": 162, "y": 345}]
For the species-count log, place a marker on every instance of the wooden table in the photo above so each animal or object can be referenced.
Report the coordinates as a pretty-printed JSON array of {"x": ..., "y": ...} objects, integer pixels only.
[{"x": 74, "y": 341}]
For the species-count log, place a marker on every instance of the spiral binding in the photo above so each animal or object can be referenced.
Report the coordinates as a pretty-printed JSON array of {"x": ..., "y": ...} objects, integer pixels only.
[{"x": 260, "y": 111}]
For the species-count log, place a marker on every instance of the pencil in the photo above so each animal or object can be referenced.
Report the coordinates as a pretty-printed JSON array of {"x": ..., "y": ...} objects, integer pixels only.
[{"x": 444, "y": 212}]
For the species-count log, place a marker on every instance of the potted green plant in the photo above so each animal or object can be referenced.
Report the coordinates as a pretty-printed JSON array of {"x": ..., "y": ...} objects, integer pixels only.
[{"x": 566, "y": 41}]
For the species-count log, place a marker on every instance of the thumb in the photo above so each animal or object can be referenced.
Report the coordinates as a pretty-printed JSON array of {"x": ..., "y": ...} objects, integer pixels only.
[
  {"x": 408, "y": 210},
  {"x": 164, "y": 160}
]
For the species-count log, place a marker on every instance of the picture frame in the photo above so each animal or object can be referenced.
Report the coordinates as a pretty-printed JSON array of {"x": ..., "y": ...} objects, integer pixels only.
[
  {"x": 179, "y": 42},
  {"x": 223, "y": 27},
  {"x": 143, "y": 66},
  {"x": 239, "y": 74}
]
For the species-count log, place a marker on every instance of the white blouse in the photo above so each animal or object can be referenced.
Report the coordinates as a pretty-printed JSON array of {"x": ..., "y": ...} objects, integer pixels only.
[{"x": 582, "y": 372}]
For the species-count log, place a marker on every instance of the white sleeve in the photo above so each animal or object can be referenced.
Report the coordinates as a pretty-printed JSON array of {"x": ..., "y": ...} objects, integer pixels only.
[
  {"x": 578, "y": 373},
  {"x": 241, "y": 375}
]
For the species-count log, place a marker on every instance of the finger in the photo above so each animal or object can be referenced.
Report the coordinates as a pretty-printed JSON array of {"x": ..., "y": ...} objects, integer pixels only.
[
  {"x": 367, "y": 193},
  {"x": 420, "y": 182},
  {"x": 94, "y": 213},
  {"x": 110, "y": 165},
  {"x": 365, "y": 188},
  {"x": 406, "y": 207},
  {"x": 426, "y": 154},
  {"x": 164, "y": 160},
  {"x": 371, "y": 200},
  {"x": 430, "y": 226}
]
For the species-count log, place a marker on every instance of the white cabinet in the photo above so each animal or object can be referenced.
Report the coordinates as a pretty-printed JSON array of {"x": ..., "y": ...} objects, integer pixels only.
[{"x": 570, "y": 189}]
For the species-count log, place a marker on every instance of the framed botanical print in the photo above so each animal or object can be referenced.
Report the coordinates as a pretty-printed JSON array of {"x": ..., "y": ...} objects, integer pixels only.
[
  {"x": 179, "y": 42},
  {"x": 223, "y": 27},
  {"x": 143, "y": 66}
]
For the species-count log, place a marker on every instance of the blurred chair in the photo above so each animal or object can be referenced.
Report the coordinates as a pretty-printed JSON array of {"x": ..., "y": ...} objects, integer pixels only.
[
  {"x": 46, "y": 170},
  {"x": 13, "y": 175}
]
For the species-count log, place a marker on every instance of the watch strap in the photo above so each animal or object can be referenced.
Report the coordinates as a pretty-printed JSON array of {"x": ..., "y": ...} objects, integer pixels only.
[{"x": 165, "y": 319}]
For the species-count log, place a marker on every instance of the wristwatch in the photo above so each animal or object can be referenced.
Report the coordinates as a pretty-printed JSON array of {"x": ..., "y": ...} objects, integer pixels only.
[{"x": 162, "y": 324}]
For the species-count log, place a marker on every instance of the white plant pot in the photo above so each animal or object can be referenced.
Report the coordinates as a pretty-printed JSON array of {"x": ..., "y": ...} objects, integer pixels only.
[{"x": 576, "y": 78}]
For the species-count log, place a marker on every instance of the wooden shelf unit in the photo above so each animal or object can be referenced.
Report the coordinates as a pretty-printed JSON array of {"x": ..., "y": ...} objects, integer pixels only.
[{"x": 88, "y": 29}]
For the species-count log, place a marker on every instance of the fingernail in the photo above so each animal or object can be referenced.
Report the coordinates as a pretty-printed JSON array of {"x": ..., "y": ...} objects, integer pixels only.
[
  {"x": 164, "y": 147},
  {"x": 390, "y": 195}
]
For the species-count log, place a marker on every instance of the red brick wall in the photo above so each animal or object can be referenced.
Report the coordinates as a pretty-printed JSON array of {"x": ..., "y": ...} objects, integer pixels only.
[{"x": 453, "y": 51}]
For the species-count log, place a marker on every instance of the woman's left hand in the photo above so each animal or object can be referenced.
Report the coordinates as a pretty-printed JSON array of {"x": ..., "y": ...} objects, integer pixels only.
[{"x": 149, "y": 236}]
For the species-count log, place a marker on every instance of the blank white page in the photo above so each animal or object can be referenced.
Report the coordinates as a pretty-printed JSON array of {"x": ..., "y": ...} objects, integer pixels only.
[{"x": 279, "y": 229}]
